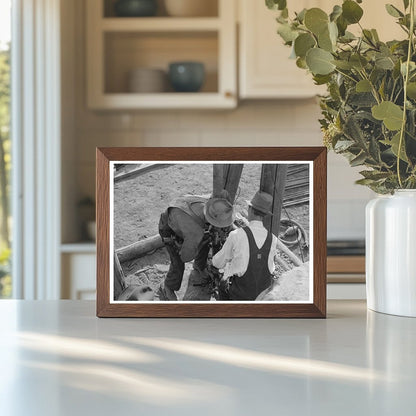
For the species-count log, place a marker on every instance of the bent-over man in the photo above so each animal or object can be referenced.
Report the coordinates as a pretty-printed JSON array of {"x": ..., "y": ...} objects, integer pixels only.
[
  {"x": 247, "y": 256},
  {"x": 185, "y": 230}
]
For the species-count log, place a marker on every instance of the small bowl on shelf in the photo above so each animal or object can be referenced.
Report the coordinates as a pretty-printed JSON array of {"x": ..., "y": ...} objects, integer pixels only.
[
  {"x": 135, "y": 8},
  {"x": 186, "y": 76},
  {"x": 191, "y": 8},
  {"x": 147, "y": 81}
]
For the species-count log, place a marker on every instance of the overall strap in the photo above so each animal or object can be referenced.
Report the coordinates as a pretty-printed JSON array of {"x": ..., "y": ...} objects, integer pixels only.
[
  {"x": 252, "y": 246},
  {"x": 265, "y": 248}
]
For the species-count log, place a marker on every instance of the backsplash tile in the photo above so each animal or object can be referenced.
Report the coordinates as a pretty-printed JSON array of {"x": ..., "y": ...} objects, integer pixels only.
[{"x": 258, "y": 123}]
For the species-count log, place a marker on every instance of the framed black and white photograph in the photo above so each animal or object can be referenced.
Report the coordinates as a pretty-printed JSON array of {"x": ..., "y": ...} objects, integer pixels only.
[{"x": 212, "y": 232}]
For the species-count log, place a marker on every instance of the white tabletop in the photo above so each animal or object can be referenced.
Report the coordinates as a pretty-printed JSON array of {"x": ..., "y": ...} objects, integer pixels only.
[{"x": 57, "y": 358}]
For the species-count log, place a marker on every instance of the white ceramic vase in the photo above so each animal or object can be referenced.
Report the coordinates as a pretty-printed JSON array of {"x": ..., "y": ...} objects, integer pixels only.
[{"x": 391, "y": 253}]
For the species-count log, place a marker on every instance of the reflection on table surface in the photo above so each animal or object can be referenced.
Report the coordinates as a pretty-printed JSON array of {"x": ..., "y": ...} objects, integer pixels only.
[{"x": 62, "y": 360}]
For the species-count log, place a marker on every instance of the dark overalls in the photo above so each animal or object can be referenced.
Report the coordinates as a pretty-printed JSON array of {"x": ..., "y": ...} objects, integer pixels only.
[{"x": 257, "y": 276}]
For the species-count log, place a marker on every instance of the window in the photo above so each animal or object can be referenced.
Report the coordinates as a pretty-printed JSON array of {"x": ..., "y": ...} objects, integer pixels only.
[{"x": 5, "y": 145}]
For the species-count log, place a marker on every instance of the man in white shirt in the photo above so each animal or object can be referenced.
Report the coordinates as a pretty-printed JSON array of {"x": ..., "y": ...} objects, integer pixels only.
[{"x": 247, "y": 256}]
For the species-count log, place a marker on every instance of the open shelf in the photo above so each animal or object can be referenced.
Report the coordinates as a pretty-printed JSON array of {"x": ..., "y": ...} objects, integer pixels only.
[
  {"x": 85, "y": 247},
  {"x": 119, "y": 45},
  {"x": 210, "y": 10},
  {"x": 160, "y": 24},
  {"x": 126, "y": 51},
  {"x": 167, "y": 100}
]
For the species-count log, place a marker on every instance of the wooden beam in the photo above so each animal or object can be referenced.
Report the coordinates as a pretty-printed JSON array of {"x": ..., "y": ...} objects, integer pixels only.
[
  {"x": 232, "y": 180},
  {"x": 140, "y": 170},
  {"x": 218, "y": 178},
  {"x": 279, "y": 190},
  {"x": 226, "y": 176},
  {"x": 268, "y": 175},
  {"x": 273, "y": 181},
  {"x": 119, "y": 282},
  {"x": 140, "y": 248}
]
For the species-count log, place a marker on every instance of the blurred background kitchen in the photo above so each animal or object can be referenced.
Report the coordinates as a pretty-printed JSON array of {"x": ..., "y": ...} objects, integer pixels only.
[{"x": 185, "y": 73}]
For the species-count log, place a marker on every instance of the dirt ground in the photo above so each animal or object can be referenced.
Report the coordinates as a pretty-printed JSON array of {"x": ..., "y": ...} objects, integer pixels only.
[{"x": 139, "y": 201}]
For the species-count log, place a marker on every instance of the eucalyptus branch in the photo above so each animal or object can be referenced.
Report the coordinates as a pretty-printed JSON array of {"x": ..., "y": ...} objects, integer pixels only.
[
  {"x": 406, "y": 79},
  {"x": 371, "y": 64},
  {"x": 392, "y": 90},
  {"x": 346, "y": 75},
  {"x": 398, "y": 95},
  {"x": 373, "y": 88}
]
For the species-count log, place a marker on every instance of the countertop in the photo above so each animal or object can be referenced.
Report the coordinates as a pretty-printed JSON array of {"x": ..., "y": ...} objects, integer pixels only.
[{"x": 57, "y": 358}]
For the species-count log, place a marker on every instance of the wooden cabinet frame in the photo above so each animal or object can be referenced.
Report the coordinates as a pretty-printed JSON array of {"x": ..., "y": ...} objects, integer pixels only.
[{"x": 224, "y": 26}]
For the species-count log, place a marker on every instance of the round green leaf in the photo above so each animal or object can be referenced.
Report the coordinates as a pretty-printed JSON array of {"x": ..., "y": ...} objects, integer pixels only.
[
  {"x": 363, "y": 86},
  {"x": 342, "y": 25},
  {"x": 336, "y": 12},
  {"x": 351, "y": 11},
  {"x": 301, "y": 63},
  {"x": 316, "y": 20},
  {"x": 384, "y": 62},
  {"x": 303, "y": 43},
  {"x": 411, "y": 90},
  {"x": 322, "y": 79},
  {"x": 301, "y": 15},
  {"x": 358, "y": 61},
  {"x": 391, "y": 114},
  {"x": 319, "y": 61},
  {"x": 393, "y": 11},
  {"x": 287, "y": 33},
  {"x": 276, "y": 4},
  {"x": 333, "y": 32},
  {"x": 394, "y": 143},
  {"x": 325, "y": 42},
  {"x": 344, "y": 65}
]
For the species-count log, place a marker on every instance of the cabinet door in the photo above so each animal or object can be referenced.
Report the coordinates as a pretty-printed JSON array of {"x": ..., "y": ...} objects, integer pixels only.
[
  {"x": 266, "y": 71},
  {"x": 78, "y": 276},
  {"x": 376, "y": 17}
]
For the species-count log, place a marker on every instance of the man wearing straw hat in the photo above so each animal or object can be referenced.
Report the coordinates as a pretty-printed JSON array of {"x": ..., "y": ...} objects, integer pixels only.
[
  {"x": 185, "y": 229},
  {"x": 247, "y": 256}
]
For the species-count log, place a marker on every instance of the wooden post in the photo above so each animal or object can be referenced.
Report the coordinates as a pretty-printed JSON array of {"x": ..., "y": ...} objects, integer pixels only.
[
  {"x": 218, "y": 178},
  {"x": 273, "y": 181},
  {"x": 279, "y": 190},
  {"x": 226, "y": 177},
  {"x": 232, "y": 180},
  {"x": 119, "y": 283},
  {"x": 268, "y": 175}
]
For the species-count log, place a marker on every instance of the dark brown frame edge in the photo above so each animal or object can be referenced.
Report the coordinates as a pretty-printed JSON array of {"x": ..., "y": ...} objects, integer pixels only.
[{"x": 317, "y": 309}]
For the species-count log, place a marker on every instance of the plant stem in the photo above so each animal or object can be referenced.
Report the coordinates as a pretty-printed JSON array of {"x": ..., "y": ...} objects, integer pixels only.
[
  {"x": 373, "y": 88},
  {"x": 346, "y": 75},
  {"x": 406, "y": 79}
]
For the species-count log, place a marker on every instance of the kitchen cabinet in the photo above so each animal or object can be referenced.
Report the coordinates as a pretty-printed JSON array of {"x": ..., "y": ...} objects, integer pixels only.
[
  {"x": 265, "y": 70},
  {"x": 118, "y": 45},
  {"x": 78, "y": 263},
  {"x": 346, "y": 277}
]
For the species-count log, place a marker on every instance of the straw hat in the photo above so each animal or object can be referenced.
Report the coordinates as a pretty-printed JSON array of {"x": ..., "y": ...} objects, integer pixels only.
[
  {"x": 219, "y": 212},
  {"x": 262, "y": 201}
]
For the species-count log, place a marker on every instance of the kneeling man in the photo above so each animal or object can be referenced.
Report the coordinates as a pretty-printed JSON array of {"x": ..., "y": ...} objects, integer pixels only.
[{"x": 247, "y": 256}]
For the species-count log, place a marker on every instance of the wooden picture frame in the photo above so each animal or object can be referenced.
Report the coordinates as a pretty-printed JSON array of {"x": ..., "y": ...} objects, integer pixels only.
[{"x": 314, "y": 157}]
